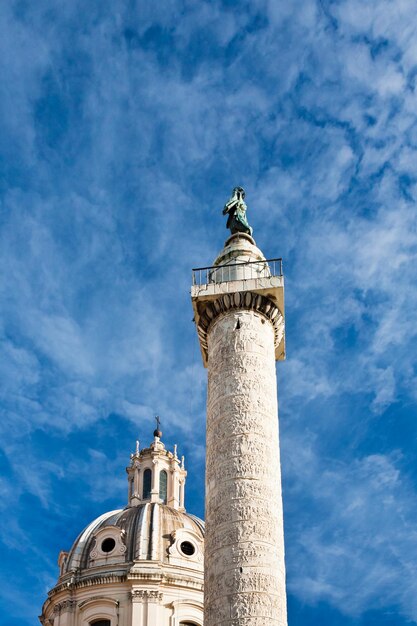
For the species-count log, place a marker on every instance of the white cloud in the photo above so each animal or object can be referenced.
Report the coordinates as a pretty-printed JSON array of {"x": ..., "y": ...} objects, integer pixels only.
[{"x": 356, "y": 551}]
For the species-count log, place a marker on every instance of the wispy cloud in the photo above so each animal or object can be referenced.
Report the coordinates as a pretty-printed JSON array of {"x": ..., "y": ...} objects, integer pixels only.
[
  {"x": 123, "y": 130},
  {"x": 357, "y": 542}
]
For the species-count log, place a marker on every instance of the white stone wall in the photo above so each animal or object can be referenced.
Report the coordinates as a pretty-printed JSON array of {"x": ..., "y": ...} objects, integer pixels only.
[
  {"x": 124, "y": 605},
  {"x": 244, "y": 545}
]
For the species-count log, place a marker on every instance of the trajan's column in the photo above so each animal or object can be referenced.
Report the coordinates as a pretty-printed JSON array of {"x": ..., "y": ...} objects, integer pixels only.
[{"x": 239, "y": 312}]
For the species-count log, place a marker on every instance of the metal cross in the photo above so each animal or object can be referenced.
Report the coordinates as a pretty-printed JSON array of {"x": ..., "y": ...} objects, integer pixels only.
[{"x": 158, "y": 422}]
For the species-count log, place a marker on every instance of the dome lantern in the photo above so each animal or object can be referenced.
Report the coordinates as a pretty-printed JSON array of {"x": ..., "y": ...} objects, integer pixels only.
[{"x": 156, "y": 475}]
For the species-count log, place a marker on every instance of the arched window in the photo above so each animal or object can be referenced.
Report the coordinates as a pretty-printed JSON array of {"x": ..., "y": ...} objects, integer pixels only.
[
  {"x": 187, "y": 624},
  {"x": 147, "y": 484},
  {"x": 163, "y": 485},
  {"x": 100, "y": 622}
]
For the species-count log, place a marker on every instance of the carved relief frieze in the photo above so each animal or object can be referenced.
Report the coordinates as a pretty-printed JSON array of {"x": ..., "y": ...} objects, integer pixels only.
[
  {"x": 243, "y": 509},
  {"x": 245, "y": 444},
  {"x": 244, "y": 547},
  {"x": 237, "y": 468},
  {"x": 224, "y": 426},
  {"x": 248, "y": 554},
  {"x": 246, "y": 489},
  {"x": 239, "y": 457},
  {"x": 249, "y": 605},
  {"x": 257, "y": 581},
  {"x": 246, "y": 531}
]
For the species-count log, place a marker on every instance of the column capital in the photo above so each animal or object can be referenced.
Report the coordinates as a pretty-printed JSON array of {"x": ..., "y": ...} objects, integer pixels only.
[
  {"x": 65, "y": 605},
  {"x": 243, "y": 300},
  {"x": 146, "y": 595}
]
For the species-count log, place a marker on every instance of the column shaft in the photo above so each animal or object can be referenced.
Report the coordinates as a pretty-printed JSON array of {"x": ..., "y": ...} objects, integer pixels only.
[{"x": 244, "y": 545}]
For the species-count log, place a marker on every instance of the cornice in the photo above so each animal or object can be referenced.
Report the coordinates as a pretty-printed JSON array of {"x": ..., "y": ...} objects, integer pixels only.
[{"x": 88, "y": 581}]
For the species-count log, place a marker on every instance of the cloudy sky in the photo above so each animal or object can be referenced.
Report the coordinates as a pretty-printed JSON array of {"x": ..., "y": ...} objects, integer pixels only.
[{"x": 124, "y": 126}]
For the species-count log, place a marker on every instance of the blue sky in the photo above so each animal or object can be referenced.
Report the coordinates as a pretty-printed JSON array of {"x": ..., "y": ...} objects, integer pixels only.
[{"x": 123, "y": 128}]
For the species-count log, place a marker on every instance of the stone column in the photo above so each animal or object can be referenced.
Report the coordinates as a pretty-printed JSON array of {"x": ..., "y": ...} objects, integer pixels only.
[
  {"x": 244, "y": 546},
  {"x": 239, "y": 315}
]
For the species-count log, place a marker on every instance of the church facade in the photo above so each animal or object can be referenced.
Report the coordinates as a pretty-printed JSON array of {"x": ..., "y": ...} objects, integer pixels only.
[{"x": 154, "y": 564}]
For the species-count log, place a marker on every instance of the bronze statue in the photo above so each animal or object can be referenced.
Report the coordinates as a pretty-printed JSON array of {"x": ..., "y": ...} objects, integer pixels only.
[{"x": 236, "y": 210}]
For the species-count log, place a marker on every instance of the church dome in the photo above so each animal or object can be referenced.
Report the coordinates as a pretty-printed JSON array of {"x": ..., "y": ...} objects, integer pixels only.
[
  {"x": 139, "y": 565},
  {"x": 144, "y": 532}
]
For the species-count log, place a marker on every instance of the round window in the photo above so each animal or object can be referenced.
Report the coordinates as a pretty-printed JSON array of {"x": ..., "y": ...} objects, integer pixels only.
[
  {"x": 108, "y": 544},
  {"x": 187, "y": 548}
]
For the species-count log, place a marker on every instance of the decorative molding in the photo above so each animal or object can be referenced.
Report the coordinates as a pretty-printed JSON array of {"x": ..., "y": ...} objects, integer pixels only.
[
  {"x": 183, "y": 581},
  {"x": 144, "y": 576},
  {"x": 179, "y": 558},
  {"x": 146, "y": 595},
  {"x": 178, "y": 580},
  {"x": 65, "y": 605},
  {"x": 187, "y": 602},
  {"x": 104, "y": 599},
  {"x": 111, "y": 532},
  {"x": 186, "y": 610},
  {"x": 100, "y": 580},
  {"x": 138, "y": 595},
  {"x": 89, "y": 581},
  {"x": 155, "y": 596},
  {"x": 244, "y": 300}
]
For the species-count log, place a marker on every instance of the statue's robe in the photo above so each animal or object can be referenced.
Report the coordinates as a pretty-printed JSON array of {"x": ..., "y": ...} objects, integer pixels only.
[{"x": 237, "y": 222}]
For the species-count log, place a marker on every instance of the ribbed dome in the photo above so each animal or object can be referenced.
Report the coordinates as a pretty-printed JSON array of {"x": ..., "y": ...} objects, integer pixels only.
[{"x": 142, "y": 532}]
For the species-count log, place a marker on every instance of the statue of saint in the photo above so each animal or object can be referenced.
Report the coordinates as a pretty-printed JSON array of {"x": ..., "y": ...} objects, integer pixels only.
[{"x": 236, "y": 211}]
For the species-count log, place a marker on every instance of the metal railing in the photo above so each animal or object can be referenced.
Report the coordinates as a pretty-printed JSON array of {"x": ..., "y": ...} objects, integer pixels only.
[{"x": 237, "y": 271}]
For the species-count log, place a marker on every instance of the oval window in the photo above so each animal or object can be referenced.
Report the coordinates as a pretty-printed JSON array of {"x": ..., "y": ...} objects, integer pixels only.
[
  {"x": 187, "y": 548},
  {"x": 108, "y": 544}
]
